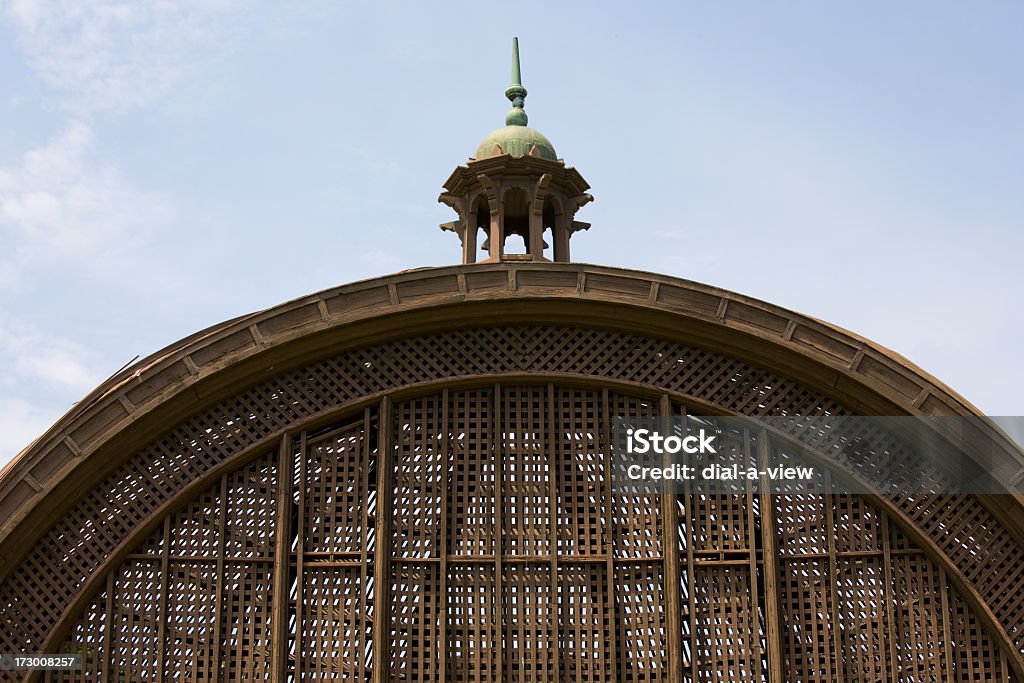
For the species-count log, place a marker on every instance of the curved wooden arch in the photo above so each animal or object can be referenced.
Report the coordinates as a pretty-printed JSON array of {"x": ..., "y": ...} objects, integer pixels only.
[
  {"x": 271, "y": 443},
  {"x": 135, "y": 406},
  {"x": 865, "y": 377}
]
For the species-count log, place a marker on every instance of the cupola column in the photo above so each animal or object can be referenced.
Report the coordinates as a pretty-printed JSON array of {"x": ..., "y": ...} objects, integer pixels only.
[
  {"x": 495, "y": 244},
  {"x": 560, "y": 236},
  {"x": 535, "y": 245},
  {"x": 469, "y": 240}
]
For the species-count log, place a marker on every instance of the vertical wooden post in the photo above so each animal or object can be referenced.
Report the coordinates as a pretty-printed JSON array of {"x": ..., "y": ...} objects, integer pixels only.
[
  {"x": 755, "y": 597},
  {"x": 445, "y": 445},
  {"x": 609, "y": 535},
  {"x": 769, "y": 545},
  {"x": 161, "y": 627},
  {"x": 947, "y": 637},
  {"x": 282, "y": 566},
  {"x": 300, "y": 534},
  {"x": 887, "y": 592},
  {"x": 382, "y": 550},
  {"x": 553, "y": 443},
  {"x": 218, "y": 631},
  {"x": 832, "y": 621},
  {"x": 691, "y": 574},
  {"x": 670, "y": 548},
  {"x": 364, "y": 493},
  {"x": 108, "y": 641},
  {"x": 498, "y": 452}
]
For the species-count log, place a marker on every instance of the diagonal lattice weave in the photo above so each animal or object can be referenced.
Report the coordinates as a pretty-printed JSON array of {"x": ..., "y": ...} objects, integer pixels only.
[{"x": 33, "y": 598}]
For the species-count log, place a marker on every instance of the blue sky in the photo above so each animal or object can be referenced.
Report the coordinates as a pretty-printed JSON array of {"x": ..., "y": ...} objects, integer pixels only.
[{"x": 168, "y": 165}]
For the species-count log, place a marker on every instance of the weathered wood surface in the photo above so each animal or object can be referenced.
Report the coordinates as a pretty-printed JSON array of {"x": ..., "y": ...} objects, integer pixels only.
[
  {"x": 499, "y": 551},
  {"x": 579, "y": 313}
]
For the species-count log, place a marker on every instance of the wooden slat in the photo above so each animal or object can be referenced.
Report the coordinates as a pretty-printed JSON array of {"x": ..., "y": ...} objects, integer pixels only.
[
  {"x": 364, "y": 559},
  {"x": 161, "y": 630},
  {"x": 381, "y": 559},
  {"x": 218, "y": 634},
  {"x": 446, "y": 453},
  {"x": 670, "y": 550},
  {"x": 833, "y": 574},
  {"x": 769, "y": 544},
  {"x": 300, "y": 547},
  {"x": 691, "y": 572},
  {"x": 108, "y": 631},
  {"x": 611, "y": 667},
  {"x": 552, "y": 439},
  {"x": 282, "y": 565},
  {"x": 498, "y": 454},
  {"x": 891, "y": 632}
]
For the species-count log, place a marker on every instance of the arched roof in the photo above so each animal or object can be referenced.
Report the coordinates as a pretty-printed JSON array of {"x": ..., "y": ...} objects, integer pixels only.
[
  {"x": 137, "y": 404},
  {"x": 862, "y": 374}
]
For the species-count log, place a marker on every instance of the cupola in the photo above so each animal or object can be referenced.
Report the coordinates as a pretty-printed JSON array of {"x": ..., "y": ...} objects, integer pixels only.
[{"x": 515, "y": 185}]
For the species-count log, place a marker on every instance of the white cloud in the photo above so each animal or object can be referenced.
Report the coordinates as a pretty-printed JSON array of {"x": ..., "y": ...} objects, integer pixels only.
[
  {"x": 120, "y": 54},
  {"x": 30, "y": 357},
  {"x": 41, "y": 376},
  {"x": 21, "y": 423},
  {"x": 58, "y": 366},
  {"x": 58, "y": 205}
]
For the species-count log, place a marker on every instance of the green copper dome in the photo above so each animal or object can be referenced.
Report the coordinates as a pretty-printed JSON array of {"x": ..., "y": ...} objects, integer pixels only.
[
  {"x": 516, "y": 138},
  {"x": 517, "y": 141}
]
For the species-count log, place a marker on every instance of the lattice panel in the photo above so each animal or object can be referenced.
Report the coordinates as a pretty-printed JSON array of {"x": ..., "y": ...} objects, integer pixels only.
[
  {"x": 246, "y": 632},
  {"x": 917, "y": 595},
  {"x": 806, "y": 593},
  {"x": 528, "y": 466},
  {"x": 803, "y": 518},
  {"x": 528, "y": 608},
  {"x": 335, "y": 493},
  {"x": 474, "y": 624},
  {"x": 861, "y": 593},
  {"x": 192, "y": 601},
  {"x": 857, "y": 600},
  {"x": 586, "y": 623},
  {"x": 473, "y": 474},
  {"x": 727, "y": 625},
  {"x": 640, "y": 620},
  {"x": 723, "y": 521},
  {"x": 195, "y": 531},
  {"x": 249, "y": 515},
  {"x": 192, "y": 626},
  {"x": 33, "y": 597},
  {"x": 89, "y": 639},
  {"x": 135, "y": 624},
  {"x": 636, "y": 513},
  {"x": 583, "y": 528},
  {"x": 336, "y": 624},
  {"x": 856, "y": 525},
  {"x": 975, "y": 655},
  {"x": 417, "y": 491},
  {"x": 416, "y": 613}
]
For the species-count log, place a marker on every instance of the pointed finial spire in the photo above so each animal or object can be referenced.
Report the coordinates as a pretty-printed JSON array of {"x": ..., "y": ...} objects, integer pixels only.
[{"x": 516, "y": 93}]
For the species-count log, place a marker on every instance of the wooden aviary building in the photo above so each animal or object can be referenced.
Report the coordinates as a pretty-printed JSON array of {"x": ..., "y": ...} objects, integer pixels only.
[{"x": 407, "y": 479}]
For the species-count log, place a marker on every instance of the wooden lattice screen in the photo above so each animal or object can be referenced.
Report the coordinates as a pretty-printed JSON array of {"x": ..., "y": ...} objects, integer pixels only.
[{"x": 474, "y": 535}]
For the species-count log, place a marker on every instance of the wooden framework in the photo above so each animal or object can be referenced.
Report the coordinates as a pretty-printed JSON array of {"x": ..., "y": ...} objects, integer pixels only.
[{"x": 328, "y": 489}]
